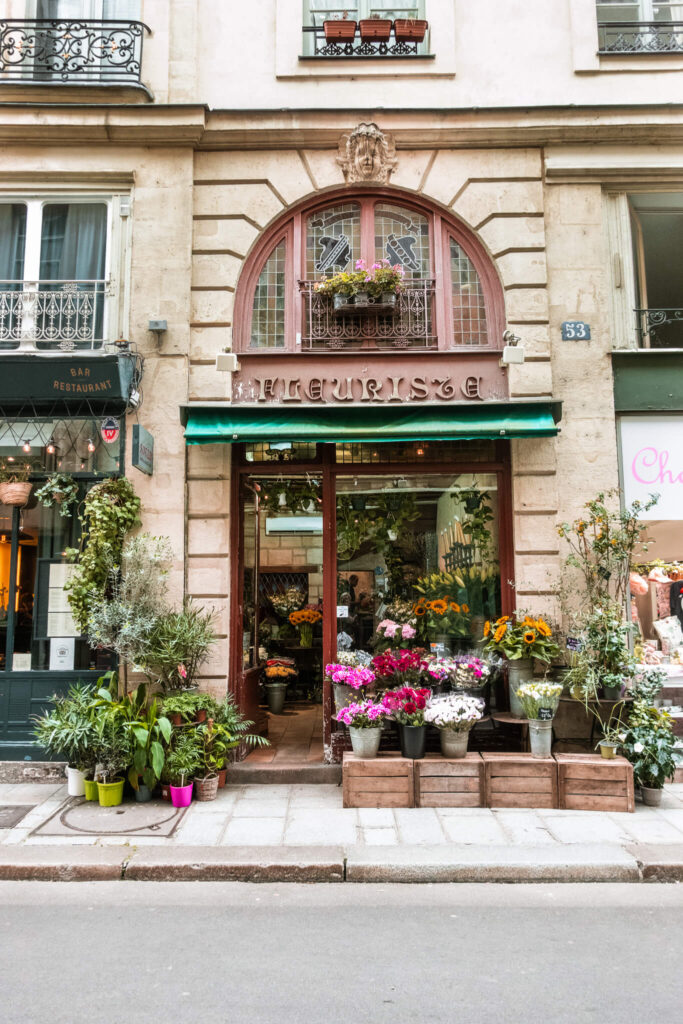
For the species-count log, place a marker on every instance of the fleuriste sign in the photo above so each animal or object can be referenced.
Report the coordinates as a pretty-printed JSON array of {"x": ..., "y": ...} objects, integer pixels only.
[{"x": 652, "y": 461}]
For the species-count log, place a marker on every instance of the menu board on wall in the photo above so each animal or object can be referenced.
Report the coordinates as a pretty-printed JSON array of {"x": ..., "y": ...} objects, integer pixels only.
[
  {"x": 60, "y": 621},
  {"x": 652, "y": 463}
]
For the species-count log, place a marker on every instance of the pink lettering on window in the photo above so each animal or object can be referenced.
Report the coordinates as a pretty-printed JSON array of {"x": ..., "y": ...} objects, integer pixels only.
[{"x": 649, "y": 467}]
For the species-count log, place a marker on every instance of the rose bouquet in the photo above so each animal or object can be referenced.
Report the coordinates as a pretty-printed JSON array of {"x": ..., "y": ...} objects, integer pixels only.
[
  {"x": 303, "y": 621},
  {"x": 388, "y": 631},
  {"x": 363, "y": 715},
  {"x": 400, "y": 667},
  {"x": 407, "y": 705},
  {"x": 470, "y": 673},
  {"x": 456, "y": 712},
  {"x": 537, "y": 698}
]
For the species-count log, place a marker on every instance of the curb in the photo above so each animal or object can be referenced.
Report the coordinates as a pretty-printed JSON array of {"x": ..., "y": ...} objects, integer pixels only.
[
  {"x": 236, "y": 864},
  {"x": 60, "y": 864},
  {"x": 658, "y": 863}
]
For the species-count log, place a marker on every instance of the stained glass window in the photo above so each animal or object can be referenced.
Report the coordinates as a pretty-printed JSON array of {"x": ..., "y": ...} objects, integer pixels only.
[
  {"x": 469, "y": 312},
  {"x": 332, "y": 240},
  {"x": 402, "y": 237},
  {"x": 268, "y": 320}
]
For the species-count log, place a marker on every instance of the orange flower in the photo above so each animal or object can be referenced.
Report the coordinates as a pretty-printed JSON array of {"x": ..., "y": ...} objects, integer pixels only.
[
  {"x": 420, "y": 609},
  {"x": 529, "y": 636},
  {"x": 454, "y": 606},
  {"x": 500, "y": 633},
  {"x": 543, "y": 628},
  {"x": 503, "y": 618},
  {"x": 464, "y": 609},
  {"x": 439, "y": 606},
  {"x": 487, "y": 628}
]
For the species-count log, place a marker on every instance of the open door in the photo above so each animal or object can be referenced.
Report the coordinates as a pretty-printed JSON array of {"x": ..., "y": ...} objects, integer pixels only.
[{"x": 248, "y": 607}]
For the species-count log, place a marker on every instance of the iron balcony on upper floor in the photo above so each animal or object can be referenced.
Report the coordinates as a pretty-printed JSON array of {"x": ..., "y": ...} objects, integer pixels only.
[
  {"x": 57, "y": 316},
  {"x": 647, "y": 37}
]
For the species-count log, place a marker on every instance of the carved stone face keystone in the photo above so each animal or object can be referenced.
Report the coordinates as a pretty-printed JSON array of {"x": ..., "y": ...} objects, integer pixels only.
[{"x": 367, "y": 154}]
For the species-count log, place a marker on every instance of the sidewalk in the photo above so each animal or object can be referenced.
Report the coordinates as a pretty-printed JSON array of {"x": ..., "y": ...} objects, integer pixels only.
[{"x": 302, "y": 833}]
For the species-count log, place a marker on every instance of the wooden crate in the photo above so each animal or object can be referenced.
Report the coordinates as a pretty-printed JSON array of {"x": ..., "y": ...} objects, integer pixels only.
[
  {"x": 588, "y": 782},
  {"x": 449, "y": 782},
  {"x": 382, "y": 781},
  {"x": 519, "y": 780}
]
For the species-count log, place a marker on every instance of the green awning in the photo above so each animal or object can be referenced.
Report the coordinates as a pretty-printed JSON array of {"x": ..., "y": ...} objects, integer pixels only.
[{"x": 337, "y": 424}]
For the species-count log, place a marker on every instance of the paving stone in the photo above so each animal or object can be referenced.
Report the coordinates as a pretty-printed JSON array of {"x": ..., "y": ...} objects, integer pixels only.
[
  {"x": 203, "y": 828},
  {"x": 379, "y": 836},
  {"x": 649, "y": 829},
  {"x": 473, "y": 830},
  {"x": 29, "y": 792},
  {"x": 525, "y": 828},
  {"x": 491, "y": 864},
  {"x": 253, "y": 832},
  {"x": 262, "y": 792},
  {"x": 240, "y": 863},
  {"x": 659, "y": 863},
  {"x": 224, "y": 802},
  {"x": 376, "y": 817},
  {"x": 585, "y": 827},
  {"x": 321, "y": 827},
  {"x": 674, "y": 817},
  {"x": 419, "y": 826},
  {"x": 12, "y": 814},
  {"x": 260, "y": 809}
]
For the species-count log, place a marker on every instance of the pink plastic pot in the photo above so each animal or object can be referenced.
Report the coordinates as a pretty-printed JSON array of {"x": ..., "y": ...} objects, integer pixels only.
[{"x": 181, "y": 796}]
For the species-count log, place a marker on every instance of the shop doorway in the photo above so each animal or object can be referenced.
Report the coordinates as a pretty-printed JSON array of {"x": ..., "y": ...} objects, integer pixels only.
[{"x": 334, "y": 540}]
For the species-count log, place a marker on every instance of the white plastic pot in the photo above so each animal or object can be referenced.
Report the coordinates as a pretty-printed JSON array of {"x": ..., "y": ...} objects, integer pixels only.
[{"x": 75, "y": 782}]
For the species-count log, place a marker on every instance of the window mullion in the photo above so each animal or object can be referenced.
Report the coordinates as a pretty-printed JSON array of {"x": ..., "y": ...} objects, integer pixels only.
[{"x": 34, "y": 220}]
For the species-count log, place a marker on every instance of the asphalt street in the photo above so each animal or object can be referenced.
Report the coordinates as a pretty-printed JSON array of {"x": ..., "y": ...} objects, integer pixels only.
[{"x": 184, "y": 953}]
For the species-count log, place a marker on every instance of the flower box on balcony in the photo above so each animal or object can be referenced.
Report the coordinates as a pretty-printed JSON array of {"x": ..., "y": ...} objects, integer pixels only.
[
  {"x": 375, "y": 28},
  {"x": 341, "y": 28},
  {"x": 362, "y": 305},
  {"x": 409, "y": 30}
]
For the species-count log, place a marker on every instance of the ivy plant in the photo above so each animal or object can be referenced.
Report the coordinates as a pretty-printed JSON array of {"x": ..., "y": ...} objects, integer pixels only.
[
  {"x": 110, "y": 511},
  {"x": 60, "y": 490}
]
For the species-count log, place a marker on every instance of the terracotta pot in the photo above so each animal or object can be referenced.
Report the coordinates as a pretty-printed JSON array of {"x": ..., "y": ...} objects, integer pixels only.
[
  {"x": 409, "y": 30},
  {"x": 340, "y": 29},
  {"x": 375, "y": 28},
  {"x": 200, "y": 716},
  {"x": 221, "y": 778},
  {"x": 165, "y": 791},
  {"x": 176, "y": 720},
  {"x": 15, "y": 494}
]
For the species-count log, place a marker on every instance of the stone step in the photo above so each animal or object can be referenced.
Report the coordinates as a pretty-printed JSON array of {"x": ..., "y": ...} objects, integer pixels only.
[{"x": 271, "y": 774}]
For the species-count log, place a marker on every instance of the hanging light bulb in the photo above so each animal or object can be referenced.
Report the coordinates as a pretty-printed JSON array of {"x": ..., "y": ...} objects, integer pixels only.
[
  {"x": 26, "y": 447},
  {"x": 91, "y": 445},
  {"x": 10, "y": 458},
  {"x": 82, "y": 465},
  {"x": 51, "y": 447},
  {"x": 419, "y": 451}
]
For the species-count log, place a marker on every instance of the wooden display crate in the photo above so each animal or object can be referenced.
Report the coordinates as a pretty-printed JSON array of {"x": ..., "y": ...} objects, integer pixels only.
[
  {"x": 588, "y": 782},
  {"x": 519, "y": 780},
  {"x": 382, "y": 781},
  {"x": 449, "y": 782}
]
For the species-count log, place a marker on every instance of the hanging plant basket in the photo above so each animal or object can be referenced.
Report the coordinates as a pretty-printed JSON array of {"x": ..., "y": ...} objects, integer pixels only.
[
  {"x": 409, "y": 30},
  {"x": 375, "y": 28},
  {"x": 15, "y": 493},
  {"x": 340, "y": 28}
]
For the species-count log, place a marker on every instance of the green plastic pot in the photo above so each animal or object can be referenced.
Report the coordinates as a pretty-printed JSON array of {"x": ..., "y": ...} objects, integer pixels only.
[
  {"x": 110, "y": 794},
  {"x": 90, "y": 789}
]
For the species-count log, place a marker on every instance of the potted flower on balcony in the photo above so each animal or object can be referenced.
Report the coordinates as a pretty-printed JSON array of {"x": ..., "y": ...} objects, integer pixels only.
[
  {"x": 15, "y": 488},
  {"x": 60, "y": 491},
  {"x": 339, "y": 28},
  {"x": 410, "y": 30},
  {"x": 378, "y": 29},
  {"x": 385, "y": 281},
  {"x": 343, "y": 287}
]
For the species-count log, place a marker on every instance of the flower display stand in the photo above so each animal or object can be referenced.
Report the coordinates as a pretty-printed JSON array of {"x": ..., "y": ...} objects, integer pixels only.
[
  {"x": 382, "y": 781},
  {"x": 588, "y": 782},
  {"x": 520, "y": 780},
  {"x": 450, "y": 782}
]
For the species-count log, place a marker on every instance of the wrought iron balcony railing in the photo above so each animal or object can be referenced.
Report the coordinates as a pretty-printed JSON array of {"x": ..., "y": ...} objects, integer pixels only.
[
  {"x": 660, "y": 328},
  {"x": 410, "y": 326},
  {"x": 640, "y": 37},
  {"x": 61, "y": 316},
  {"x": 317, "y": 45},
  {"x": 72, "y": 52}
]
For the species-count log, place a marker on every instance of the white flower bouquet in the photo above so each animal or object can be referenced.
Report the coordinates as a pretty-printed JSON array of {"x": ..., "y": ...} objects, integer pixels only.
[
  {"x": 457, "y": 712},
  {"x": 537, "y": 698}
]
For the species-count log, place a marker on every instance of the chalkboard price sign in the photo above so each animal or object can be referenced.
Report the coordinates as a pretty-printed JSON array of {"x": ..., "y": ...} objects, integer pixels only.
[{"x": 545, "y": 714}]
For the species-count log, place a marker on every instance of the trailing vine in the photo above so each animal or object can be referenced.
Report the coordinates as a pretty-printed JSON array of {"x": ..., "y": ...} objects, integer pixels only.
[
  {"x": 110, "y": 510},
  {"x": 60, "y": 490}
]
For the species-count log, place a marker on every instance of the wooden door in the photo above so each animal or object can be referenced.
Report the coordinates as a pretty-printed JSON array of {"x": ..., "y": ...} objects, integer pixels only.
[{"x": 248, "y": 607}]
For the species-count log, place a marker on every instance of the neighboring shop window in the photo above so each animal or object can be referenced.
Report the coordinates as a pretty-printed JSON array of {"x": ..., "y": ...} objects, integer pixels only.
[
  {"x": 268, "y": 320},
  {"x": 54, "y": 253},
  {"x": 38, "y": 633}
]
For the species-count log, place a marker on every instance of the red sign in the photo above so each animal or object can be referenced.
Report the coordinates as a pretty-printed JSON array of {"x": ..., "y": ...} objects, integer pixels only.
[{"x": 110, "y": 430}]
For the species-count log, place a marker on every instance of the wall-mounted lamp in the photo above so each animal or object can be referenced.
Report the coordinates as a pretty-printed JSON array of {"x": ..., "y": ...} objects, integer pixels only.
[{"x": 513, "y": 352}]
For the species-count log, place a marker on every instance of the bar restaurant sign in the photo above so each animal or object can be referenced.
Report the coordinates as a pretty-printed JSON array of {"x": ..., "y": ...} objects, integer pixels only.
[
  {"x": 334, "y": 380},
  {"x": 652, "y": 463},
  {"x": 98, "y": 378}
]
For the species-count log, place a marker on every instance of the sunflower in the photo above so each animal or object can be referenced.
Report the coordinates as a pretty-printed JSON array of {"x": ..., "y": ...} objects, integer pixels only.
[
  {"x": 503, "y": 618},
  {"x": 529, "y": 636},
  {"x": 420, "y": 609},
  {"x": 464, "y": 608},
  {"x": 454, "y": 606},
  {"x": 543, "y": 628},
  {"x": 439, "y": 606},
  {"x": 487, "y": 628},
  {"x": 500, "y": 633}
]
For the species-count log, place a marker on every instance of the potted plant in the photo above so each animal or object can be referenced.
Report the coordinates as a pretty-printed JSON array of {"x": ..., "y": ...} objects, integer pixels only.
[
  {"x": 540, "y": 702},
  {"x": 364, "y": 720},
  {"x": 69, "y": 731},
  {"x": 183, "y": 762},
  {"x": 520, "y": 642},
  {"x": 384, "y": 281},
  {"x": 114, "y": 757},
  {"x": 610, "y": 741},
  {"x": 304, "y": 620},
  {"x": 339, "y": 28},
  {"x": 278, "y": 673},
  {"x": 60, "y": 491},
  {"x": 454, "y": 717},
  {"x": 348, "y": 682},
  {"x": 151, "y": 733},
  {"x": 407, "y": 707},
  {"x": 178, "y": 643},
  {"x": 185, "y": 707},
  {"x": 410, "y": 30},
  {"x": 375, "y": 28},
  {"x": 15, "y": 488},
  {"x": 649, "y": 744},
  {"x": 235, "y": 731}
]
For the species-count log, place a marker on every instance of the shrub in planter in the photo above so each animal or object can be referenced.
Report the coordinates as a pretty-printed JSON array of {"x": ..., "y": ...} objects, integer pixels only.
[
  {"x": 410, "y": 30},
  {"x": 177, "y": 645},
  {"x": 375, "y": 28},
  {"x": 190, "y": 706},
  {"x": 649, "y": 743},
  {"x": 235, "y": 728},
  {"x": 149, "y": 731},
  {"x": 60, "y": 491},
  {"x": 69, "y": 731},
  {"x": 183, "y": 763}
]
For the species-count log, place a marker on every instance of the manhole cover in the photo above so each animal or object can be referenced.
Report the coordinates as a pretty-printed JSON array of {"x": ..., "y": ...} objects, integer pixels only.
[
  {"x": 79, "y": 817},
  {"x": 12, "y": 813}
]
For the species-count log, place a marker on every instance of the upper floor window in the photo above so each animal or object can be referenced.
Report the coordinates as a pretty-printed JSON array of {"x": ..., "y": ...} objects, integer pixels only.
[
  {"x": 640, "y": 26},
  {"x": 364, "y": 28},
  {"x": 450, "y": 299},
  {"x": 53, "y": 273},
  {"x": 657, "y": 239}
]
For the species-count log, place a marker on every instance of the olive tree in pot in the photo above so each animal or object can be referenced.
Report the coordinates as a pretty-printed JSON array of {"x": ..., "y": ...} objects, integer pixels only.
[
  {"x": 69, "y": 731},
  {"x": 183, "y": 763}
]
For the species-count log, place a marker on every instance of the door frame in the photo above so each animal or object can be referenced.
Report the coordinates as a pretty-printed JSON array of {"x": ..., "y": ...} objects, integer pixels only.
[{"x": 328, "y": 469}]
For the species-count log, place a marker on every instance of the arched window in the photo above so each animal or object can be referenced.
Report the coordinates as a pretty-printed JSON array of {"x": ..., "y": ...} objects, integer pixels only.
[{"x": 452, "y": 299}]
